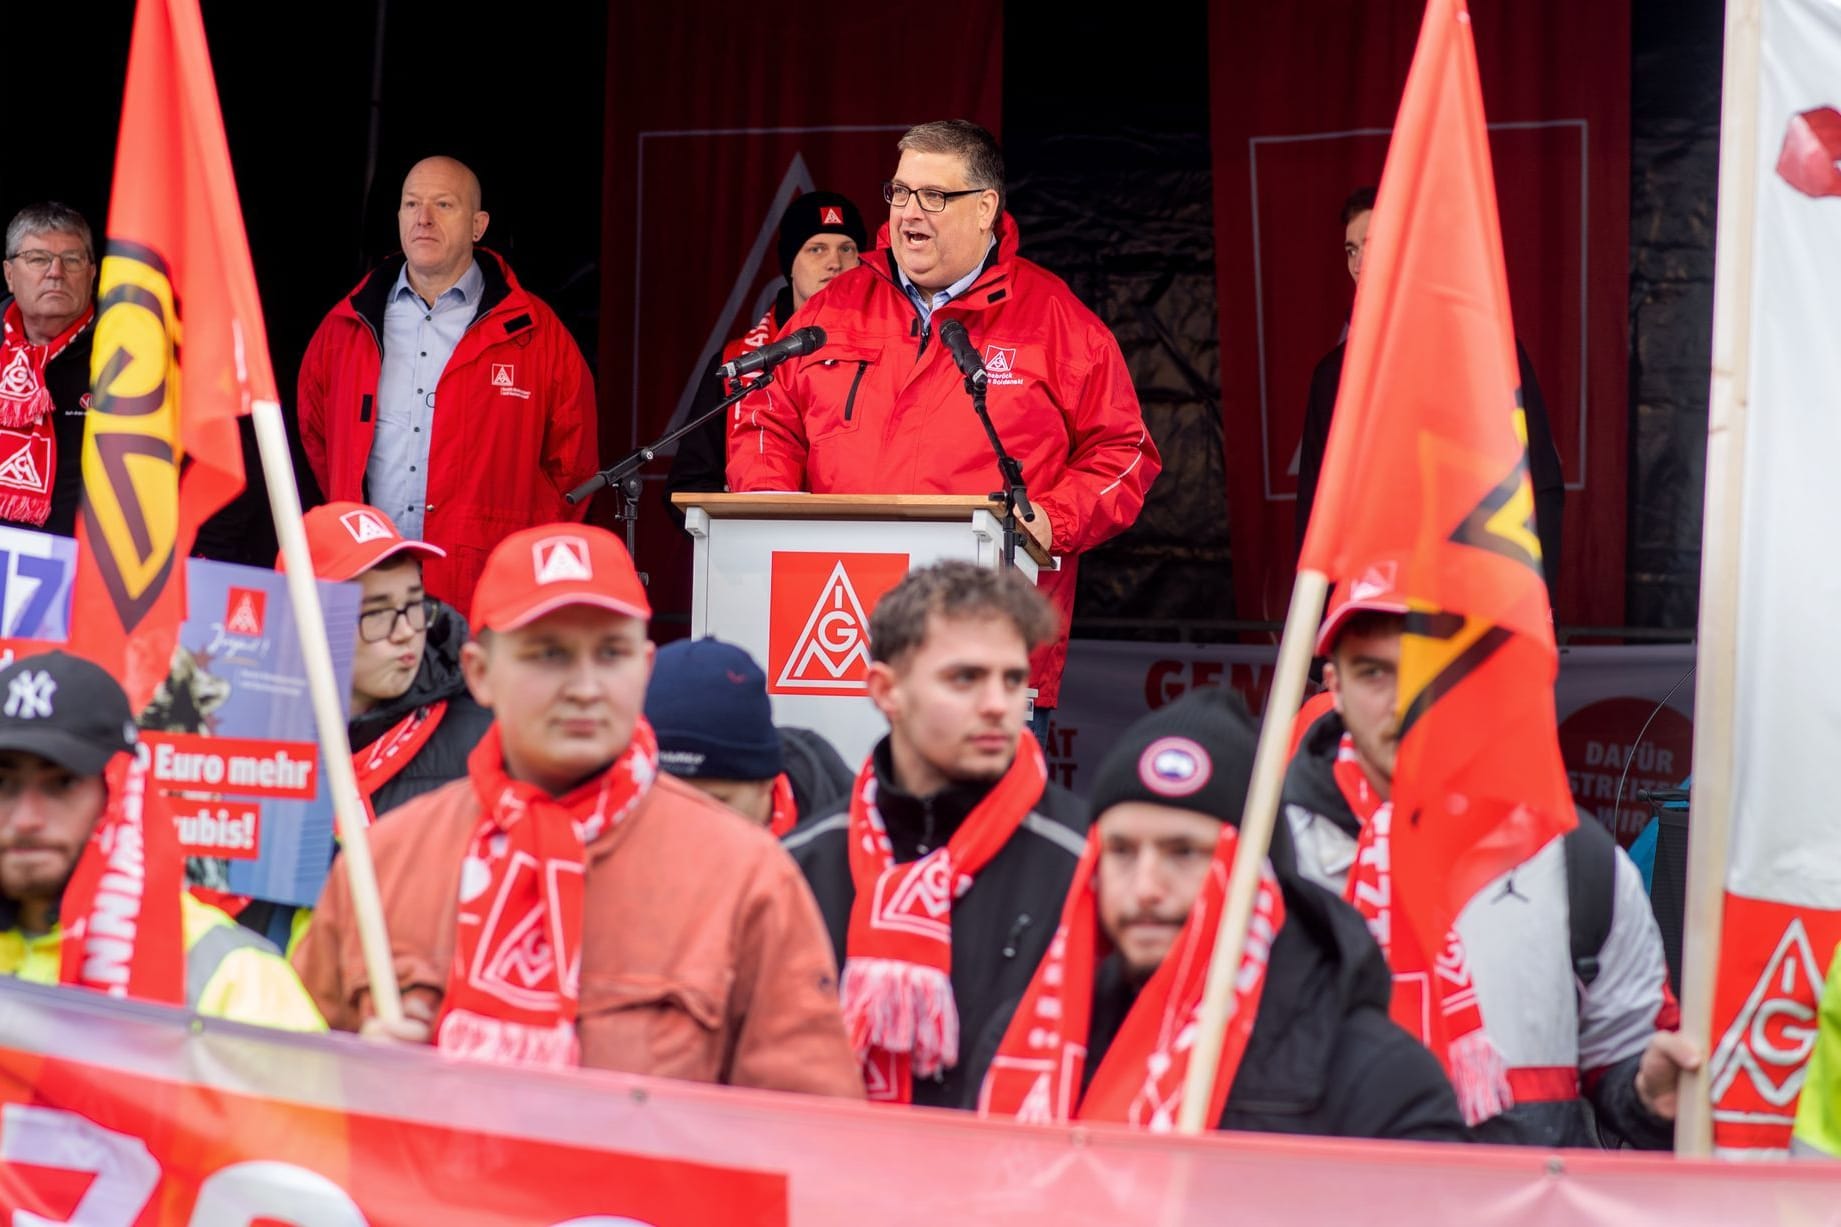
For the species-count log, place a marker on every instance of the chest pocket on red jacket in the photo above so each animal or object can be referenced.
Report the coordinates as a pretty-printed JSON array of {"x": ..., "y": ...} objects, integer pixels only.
[
  {"x": 665, "y": 1024},
  {"x": 838, "y": 384}
]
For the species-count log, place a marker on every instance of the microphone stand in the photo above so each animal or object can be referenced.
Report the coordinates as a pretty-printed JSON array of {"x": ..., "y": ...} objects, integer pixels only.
[
  {"x": 623, "y": 475},
  {"x": 1014, "y": 495}
]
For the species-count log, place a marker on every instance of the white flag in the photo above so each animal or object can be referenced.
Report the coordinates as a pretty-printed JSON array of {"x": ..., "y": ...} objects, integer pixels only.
[{"x": 1783, "y": 881}]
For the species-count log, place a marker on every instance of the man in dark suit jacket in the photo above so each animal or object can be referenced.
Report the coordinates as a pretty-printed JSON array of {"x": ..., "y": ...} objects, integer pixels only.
[{"x": 1543, "y": 456}]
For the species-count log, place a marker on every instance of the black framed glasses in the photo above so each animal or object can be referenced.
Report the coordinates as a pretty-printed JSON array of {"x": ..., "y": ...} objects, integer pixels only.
[
  {"x": 932, "y": 199},
  {"x": 379, "y": 624}
]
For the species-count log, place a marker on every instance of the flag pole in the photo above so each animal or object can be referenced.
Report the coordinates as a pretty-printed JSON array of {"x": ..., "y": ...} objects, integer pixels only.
[
  {"x": 1710, "y": 831},
  {"x": 1256, "y": 824},
  {"x": 335, "y": 749}
]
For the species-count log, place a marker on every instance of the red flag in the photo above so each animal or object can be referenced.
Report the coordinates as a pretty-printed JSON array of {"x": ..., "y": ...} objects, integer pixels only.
[
  {"x": 1426, "y": 472},
  {"x": 180, "y": 352}
]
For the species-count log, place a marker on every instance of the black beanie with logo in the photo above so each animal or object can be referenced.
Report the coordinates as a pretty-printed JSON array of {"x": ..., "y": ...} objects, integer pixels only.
[
  {"x": 1194, "y": 754},
  {"x": 817, "y": 213}
]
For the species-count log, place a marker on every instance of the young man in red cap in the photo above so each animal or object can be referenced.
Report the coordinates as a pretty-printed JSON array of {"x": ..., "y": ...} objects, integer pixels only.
[
  {"x": 413, "y": 723},
  {"x": 1102, "y": 1033},
  {"x": 1552, "y": 984},
  {"x": 566, "y": 903}
]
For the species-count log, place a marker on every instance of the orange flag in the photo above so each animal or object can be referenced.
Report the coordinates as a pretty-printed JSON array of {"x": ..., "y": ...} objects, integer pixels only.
[
  {"x": 180, "y": 352},
  {"x": 1426, "y": 473}
]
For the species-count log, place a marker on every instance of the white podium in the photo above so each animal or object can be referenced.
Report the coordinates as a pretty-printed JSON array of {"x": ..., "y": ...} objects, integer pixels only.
[{"x": 793, "y": 578}]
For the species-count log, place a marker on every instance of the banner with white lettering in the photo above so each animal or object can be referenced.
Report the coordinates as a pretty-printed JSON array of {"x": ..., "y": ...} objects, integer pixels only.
[
  {"x": 1626, "y": 713},
  {"x": 121, "y": 1115},
  {"x": 233, "y": 739},
  {"x": 1783, "y": 881}
]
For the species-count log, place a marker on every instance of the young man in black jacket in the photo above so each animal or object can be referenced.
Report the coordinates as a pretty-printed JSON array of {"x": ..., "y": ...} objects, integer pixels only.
[
  {"x": 940, "y": 879},
  {"x": 1102, "y": 1033},
  {"x": 413, "y": 721}
]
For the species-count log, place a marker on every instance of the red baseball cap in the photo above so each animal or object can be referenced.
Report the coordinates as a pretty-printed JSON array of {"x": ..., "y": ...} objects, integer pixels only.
[
  {"x": 540, "y": 570},
  {"x": 347, "y": 539},
  {"x": 1376, "y": 590}
]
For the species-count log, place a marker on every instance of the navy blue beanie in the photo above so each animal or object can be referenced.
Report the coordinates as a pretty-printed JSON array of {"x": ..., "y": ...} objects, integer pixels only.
[{"x": 707, "y": 702}]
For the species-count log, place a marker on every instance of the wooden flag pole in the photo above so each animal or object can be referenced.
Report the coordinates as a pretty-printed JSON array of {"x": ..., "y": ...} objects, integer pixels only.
[
  {"x": 335, "y": 749},
  {"x": 1256, "y": 824},
  {"x": 1710, "y": 832}
]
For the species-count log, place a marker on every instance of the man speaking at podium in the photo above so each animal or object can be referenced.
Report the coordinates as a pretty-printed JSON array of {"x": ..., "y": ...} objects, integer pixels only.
[{"x": 881, "y": 408}]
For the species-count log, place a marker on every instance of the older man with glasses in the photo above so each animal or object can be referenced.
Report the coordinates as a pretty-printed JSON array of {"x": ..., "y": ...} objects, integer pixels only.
[
  {"x": 882, "y": 407},
  {"x": 413, "y": 721},
  {"x": 44, "y": 366}
]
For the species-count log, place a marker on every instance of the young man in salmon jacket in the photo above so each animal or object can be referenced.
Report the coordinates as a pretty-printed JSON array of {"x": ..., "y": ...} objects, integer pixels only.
[{"x": 567, "y": 904}]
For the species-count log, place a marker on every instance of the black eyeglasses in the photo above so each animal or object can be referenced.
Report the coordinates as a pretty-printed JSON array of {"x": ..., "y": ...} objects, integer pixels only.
[
  {"x": 932, "y": 199},
  {"x": 379, "y": 624}
]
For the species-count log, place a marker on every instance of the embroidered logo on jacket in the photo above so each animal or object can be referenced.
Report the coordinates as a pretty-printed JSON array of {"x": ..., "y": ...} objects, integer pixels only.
[
  {"x": 1000, "y": 366},
  {"x": 505, "y": 379}
]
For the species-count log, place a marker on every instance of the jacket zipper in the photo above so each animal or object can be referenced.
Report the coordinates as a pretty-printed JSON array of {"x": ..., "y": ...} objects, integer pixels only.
[
  {"x": 850, "y": 402},
  {"x": 1016, "y": 935}
]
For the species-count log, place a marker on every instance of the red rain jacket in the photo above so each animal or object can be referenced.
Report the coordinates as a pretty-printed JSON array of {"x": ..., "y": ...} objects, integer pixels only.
[
  {"x": 881, "y": 409},
  {"x": 514, "y": 431}
]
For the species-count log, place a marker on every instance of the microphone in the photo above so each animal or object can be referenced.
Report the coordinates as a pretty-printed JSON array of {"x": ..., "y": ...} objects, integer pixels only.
[
  {"x": 802, "y": 341},
  {"x": 952, "y": 335}
]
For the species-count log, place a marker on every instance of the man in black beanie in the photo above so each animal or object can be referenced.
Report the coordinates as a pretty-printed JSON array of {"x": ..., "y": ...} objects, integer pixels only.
[
  {"x": 821, "y": 234},
  {"x": 1105, "y": 1030}
]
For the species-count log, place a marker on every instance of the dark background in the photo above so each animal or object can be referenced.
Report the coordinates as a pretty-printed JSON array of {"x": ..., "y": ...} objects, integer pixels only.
[{"x": 1106, "y": 135}]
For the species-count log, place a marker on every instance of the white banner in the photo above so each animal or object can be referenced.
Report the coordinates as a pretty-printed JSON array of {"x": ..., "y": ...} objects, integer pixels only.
[
  {"x": 1784, "y": 877},
  {"x": 120, "y": 1115}
]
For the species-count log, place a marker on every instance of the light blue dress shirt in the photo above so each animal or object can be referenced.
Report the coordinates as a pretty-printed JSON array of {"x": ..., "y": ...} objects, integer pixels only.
[
  {"x": 926, "y": 303},
  {"x": 418, "y": 341}
]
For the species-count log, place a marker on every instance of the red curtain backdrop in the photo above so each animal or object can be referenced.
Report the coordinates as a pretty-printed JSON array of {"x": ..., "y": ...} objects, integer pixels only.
[
  {"x": 1303, "y": 96},
  {"x": 717, "y": 116}
]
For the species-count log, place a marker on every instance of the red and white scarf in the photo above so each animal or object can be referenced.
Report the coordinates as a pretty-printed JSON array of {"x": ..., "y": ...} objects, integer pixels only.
[
  {"x": 514, "y": 988},
  {"x": 378, "y": 763},
  {"x": 1436, "y": 1002},
  {"x": 1036, "y": 1075},
  {"x": 897, "y": 986},
  {"x": 28, "y": 442},
  {"x": 122, "y": 932}
]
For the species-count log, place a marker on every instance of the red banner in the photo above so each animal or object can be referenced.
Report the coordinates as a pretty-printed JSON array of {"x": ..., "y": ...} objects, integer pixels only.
[
  {"x": 1303, "y": 100},
  {"x": 1773, "y": 962},
  {"x": 244, "y": 766},
  {"x": 120, "y": 1115},
  {"x": 713, "y": 127}
]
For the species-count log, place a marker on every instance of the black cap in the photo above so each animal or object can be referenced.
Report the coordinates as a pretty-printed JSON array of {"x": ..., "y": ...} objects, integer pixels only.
[
  {"x": 817, "y": 213},
  {"x": 66, "y": 709}
]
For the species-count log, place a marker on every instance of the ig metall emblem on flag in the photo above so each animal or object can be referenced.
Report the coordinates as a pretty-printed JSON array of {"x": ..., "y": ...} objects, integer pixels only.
[{"x": 131, "y": 446}]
